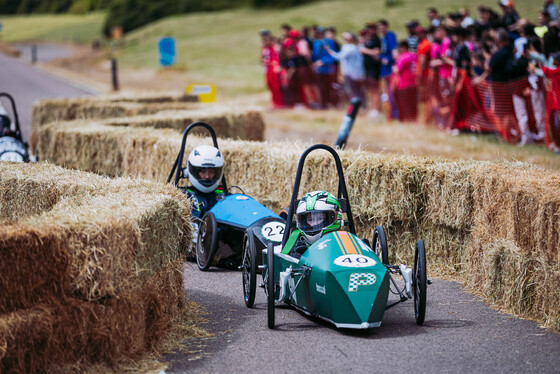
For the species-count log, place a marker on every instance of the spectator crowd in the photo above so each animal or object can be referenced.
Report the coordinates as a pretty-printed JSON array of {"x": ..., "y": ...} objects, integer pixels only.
[{"x": 497, "y": 72}]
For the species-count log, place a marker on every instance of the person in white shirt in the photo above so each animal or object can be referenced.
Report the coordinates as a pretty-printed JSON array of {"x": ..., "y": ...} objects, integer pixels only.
[{"x": 351, "y": 66}]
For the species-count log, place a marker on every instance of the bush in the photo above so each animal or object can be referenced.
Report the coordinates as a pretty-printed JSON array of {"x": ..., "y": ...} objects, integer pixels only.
[
  {"x": 277, "y": 3},
  {"x": 52, "y": 6},
  {"x": 132, "y": 14}
]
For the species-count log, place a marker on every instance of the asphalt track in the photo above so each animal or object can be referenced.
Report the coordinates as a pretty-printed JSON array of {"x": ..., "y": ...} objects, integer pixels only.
[
  {"x": 27, "y": 84},
  {"x": 461, "y": 334}
]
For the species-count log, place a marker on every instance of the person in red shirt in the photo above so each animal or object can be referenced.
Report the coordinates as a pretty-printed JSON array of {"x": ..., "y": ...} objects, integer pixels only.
[
  {"x": 553, "y": 103},
  {"x": 423, "y": 66},
  {"x": 271, "y": 63},
  {"x": 406, "y": 93}
]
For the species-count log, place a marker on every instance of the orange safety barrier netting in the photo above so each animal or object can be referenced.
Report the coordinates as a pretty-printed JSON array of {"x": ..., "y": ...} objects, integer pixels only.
[
  {"x": 407, "y": 103},
  {"x": 525, "y": 109},
  {"x": 552, "y": 127}
]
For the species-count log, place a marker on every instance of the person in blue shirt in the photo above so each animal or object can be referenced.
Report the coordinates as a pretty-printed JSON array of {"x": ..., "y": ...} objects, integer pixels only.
[
  {"x": 387, "y": 58},
  {"x": 324, "y": 65}
]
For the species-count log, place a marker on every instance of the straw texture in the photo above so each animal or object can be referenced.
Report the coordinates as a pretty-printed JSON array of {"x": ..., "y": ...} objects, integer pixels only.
[{"x": 90, "y": 267}]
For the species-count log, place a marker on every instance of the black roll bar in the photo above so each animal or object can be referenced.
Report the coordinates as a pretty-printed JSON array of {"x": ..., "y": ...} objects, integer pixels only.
[{"x": 342, "y": 191}]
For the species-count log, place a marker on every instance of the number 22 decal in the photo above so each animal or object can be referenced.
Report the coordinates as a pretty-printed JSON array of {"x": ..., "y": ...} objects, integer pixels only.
[{"x": 273, "y": 231}]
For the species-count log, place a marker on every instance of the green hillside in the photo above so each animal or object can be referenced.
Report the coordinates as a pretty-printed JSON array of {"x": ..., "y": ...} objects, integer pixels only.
[{"x": 53, "y": 28}]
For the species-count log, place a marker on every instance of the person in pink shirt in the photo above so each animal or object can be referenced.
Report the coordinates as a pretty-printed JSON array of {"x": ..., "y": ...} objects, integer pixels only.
[
  {"x": 406, "y": 93},
  {"x": 441, "y": 54},
  {"x": 553, "y": 103},
  {"x": 442, "y": 62}
]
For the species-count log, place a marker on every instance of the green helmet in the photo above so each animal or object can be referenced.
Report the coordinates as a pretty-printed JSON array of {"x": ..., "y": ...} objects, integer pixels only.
[{"x": 317, "y": 213}]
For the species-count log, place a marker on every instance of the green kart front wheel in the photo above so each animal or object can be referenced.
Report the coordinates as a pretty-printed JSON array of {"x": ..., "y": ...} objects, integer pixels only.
[{"x": 270, "y": 284}]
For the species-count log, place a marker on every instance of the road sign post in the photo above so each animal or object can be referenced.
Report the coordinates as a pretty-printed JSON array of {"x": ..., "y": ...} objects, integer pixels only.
[
  {"x": 114, "y": 74},
  {"x": 33, "y": 53}
]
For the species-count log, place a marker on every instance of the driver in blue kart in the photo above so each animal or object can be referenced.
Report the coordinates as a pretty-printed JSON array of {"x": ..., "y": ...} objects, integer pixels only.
[
  {"x": 205, "y": 168},
  {"x": 317, "y": 214}
]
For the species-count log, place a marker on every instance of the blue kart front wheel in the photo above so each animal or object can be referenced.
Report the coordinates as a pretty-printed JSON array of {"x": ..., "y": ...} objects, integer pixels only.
[
  {"x": 207, "y": 242},
  {"x": 249, "y": 268}
]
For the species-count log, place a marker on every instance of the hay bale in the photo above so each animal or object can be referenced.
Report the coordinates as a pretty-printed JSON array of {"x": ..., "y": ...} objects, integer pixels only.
[
  {"x": 227, "y": 121},
  {"x": 98, "y": 272},
  {"x": 101, "y": 241},
  {"x": 517, "y": 282},
  {"x": 108, "y": 106},
  {"x": 521, "y": 205},
  {"x": 125, "y": 327},
  {"x": 150, "y": 97},
  {"x": 8, "y": 50}
]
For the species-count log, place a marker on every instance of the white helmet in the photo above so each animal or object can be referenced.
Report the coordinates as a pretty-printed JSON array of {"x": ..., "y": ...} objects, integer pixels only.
[
  {"x": 317, "y": 213},
  {"x": 207, "y": 160}
]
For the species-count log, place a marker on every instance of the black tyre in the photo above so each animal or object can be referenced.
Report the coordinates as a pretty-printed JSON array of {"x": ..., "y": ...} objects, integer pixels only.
[
  {"x": 270, "y": 284},
  {"x": 419, "y": 282},
  {"x": 380, "y": 245},
  {"x": 249, "y": 268},
  {"x": 207, "y": 242}
]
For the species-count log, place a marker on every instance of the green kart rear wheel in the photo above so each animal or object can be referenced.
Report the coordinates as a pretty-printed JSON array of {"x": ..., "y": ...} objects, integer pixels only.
[{"x": 270, "y": 284}]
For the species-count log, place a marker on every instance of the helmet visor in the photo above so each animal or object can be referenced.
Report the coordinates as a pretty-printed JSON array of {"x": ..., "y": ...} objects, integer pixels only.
[
  {"x": 315, "y": 220},
  {"x": 207, "y": 176}
]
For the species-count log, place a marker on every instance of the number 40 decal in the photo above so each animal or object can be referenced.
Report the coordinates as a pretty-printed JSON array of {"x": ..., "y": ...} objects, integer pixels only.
[{"x": 354, "y": 261}]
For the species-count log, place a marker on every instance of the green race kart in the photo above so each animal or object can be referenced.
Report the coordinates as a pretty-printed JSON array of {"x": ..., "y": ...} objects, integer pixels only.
[{"x": 340, "y": 278}]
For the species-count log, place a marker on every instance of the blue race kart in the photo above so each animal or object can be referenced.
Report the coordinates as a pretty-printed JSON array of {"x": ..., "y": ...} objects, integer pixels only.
[{"x": 230, "y": 221}]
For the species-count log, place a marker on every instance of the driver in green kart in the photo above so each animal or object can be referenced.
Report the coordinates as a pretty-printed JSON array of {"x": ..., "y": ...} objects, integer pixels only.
[{"x": 317, "y": 213}]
